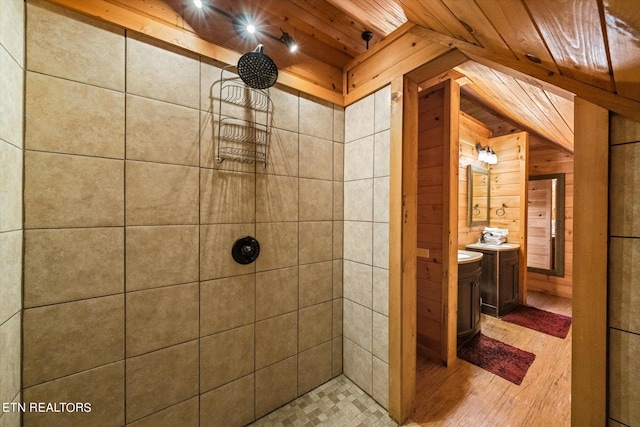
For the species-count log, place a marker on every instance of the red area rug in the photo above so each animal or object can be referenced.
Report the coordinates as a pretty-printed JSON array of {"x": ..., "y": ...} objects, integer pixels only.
[
  {"x": 499, "y": 358},
  {"x": 549, "y": 323}
]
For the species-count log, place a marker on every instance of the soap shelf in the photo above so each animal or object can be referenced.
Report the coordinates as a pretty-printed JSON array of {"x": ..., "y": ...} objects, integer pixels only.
[{"x": 243, "y": 140}]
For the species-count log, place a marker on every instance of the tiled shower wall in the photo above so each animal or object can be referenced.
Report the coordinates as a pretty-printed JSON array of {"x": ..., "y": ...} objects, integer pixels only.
[
  {"x": 132, "y": 300},
  {"x": 11, "y": 155},
  {"x": 366, "y": 244},
  {"x": 624, "y": 273}
]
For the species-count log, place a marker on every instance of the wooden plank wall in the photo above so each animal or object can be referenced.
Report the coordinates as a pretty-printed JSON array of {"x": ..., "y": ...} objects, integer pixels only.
[
  {"x": 506, "y": 181},
  {"x": 472, "y": 132},
  {"x": 544, "y": 159},
  {"x": 430, "y": 220}
]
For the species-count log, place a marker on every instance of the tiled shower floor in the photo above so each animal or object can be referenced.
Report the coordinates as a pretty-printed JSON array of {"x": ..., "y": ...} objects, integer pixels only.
[{"x": 336, "y": 403}]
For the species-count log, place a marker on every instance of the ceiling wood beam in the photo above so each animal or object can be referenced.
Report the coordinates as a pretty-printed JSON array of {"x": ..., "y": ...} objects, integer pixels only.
[
  {"x": 316, "y": 83},
  {"x": 520, "y": 69}
]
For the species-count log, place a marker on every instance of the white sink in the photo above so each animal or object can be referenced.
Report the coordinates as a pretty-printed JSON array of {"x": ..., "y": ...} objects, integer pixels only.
[
  {"x": 465, "y": 257},
  {"x": 492, "y": 247}
]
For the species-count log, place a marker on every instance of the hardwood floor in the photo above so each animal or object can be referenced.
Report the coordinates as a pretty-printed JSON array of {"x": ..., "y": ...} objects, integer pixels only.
[{"x": 466, "y": 395}]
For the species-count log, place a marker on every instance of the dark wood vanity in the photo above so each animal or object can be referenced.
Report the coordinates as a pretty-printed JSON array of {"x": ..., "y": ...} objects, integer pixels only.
[
  {"x": 469, "y": 272},
  {"x": 499, "y": 279}
]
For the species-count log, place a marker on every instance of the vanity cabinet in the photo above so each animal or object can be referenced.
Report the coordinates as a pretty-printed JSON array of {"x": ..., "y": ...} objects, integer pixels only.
[
  {"x": 499, "y": 279},
  {"x": 468, "y": 301}
]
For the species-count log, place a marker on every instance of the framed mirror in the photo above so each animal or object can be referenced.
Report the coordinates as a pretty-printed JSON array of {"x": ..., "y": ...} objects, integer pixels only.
[
  {"x": 478, "y": 212},
  {"x": 545, "y": 225}
]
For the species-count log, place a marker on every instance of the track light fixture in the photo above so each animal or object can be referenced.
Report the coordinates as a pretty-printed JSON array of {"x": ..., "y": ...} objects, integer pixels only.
[
  {"x": 198, "y": 3},
  {"x": 288, "y": 41}
]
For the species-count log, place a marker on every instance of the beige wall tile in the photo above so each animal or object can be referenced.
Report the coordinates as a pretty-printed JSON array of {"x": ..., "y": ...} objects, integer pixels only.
[
  {"x": 275, "y": 386},
  {"x": 285, "y": 108},
  {"x": 316, "y": 283},
  {"x": 316, "y": 117},
  {"x": 227, "y": 197},
  {"x": 316, "y": 157},
  {"x": 158, "y": 318},
  {"x": 381, "y": 199},
  {"x": 338, "y": 240},
  {"x": 230, "y": 405},
  {"x": 226, "y": 303},
  {"x": 624, "y": 284},
  {"x": 63, "y": 116},
  {"x": 216, "y": 242},
  {"x": 64, "y": 265},
  {"x": 337, "y": 317},
  {"x": 358, "y": 240},
  {"x": 161, "y": 255},
  {"x": 359, "y": 118},
  {"x": 338, "y": 123},
  {"x": 278, "y": 245},
  {"x": 160, "y": 194},
  {"x": 382, "y": 106},
  {"x": 614, "y": 423},
  {"x": 380, "y": 335},
  {"x": 338, "y": 200},
  {"x": 102, "y": 387},
  {"x": 623, "y": 130},
  {"x": 380, "y": 382},
  {"x": 316, "y": 241},
  {"x": 210, "y": 83},
  {"x": 382, "y": 142},
  {"x": 337, "y": 278},
  {"x": 10, "y": 187},
  {"x": 66, "y": 44},
  {"x": 282, "y": 154},
  {"x": 11, "y": 274},
  {"x": 160, "y": 379},
  {"x": 624, "y": 370},
  {"x": 162, "y": 132},
  {"x": 184, "y": 414},
  {"x": 276, "y": 292},
  {"x": 338, "y": 161},
  {"x": 12, "y": 419},
  {"x": 381, "y": 290},
  {"x": 358, "y": 159},
  {"x": 336, "y": 362},
  {"x": 225, "y": 357},
  {"x": 314, "y": 367},
  {"x": 12, "y": 105},
  {"x": 358, "y": 365},
  {"x": 381, "y": 244},
  {"x": 12, "y": 28},
  {"x": 358, "y": 200},
  {"x": 163, "y": 72},
  {"x": 276, "y": 198},
  {"x": 72, "y": 337},
  {"x": 72, "y": 191},
  {"x": 624, "y": 194},
  {"x": 315, "y": 325},
  {"x": 10, "y": 358},
  {"x": 316, "y": 200},
  {"x": 275, "y": 339},
  {"x": 357, "y": 324}
]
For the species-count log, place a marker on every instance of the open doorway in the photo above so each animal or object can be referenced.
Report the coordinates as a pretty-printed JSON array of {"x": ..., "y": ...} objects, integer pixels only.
[{"x": 411, "y": 96}]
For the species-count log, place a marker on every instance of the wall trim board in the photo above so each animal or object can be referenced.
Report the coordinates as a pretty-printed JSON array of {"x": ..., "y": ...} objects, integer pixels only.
[
  {"x": 403, "y": 207},
  {"x": 591, "y": 188}
]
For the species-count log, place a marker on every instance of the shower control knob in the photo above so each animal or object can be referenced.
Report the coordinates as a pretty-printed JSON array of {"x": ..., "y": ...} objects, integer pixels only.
[{"x": 245, "y": 250}]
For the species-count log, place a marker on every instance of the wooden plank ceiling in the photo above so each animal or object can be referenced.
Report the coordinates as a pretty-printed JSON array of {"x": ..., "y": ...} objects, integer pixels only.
[{"x": 587, "y": 47}]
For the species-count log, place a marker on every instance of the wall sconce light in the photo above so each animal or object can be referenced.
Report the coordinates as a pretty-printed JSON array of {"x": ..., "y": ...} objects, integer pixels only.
[
  {"x": 486, "y": 154},
  {"x": 288, "y": 41}
]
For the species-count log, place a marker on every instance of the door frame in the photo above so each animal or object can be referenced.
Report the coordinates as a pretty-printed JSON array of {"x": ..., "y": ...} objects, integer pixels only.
[{"x": 589, "y": 345}]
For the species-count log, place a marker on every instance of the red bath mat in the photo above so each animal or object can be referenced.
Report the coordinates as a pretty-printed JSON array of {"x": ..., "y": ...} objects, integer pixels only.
[
  {"x": 549, "y": 323},
  {"x": 499, "y": 358}
]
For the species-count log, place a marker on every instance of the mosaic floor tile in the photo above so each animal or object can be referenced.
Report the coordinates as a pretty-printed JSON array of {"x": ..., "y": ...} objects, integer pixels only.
[{"x": 336, "y": 403}]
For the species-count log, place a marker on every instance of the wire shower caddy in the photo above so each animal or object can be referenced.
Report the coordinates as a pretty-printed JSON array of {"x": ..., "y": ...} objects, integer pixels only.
[{"x": 244, "y": 140}]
